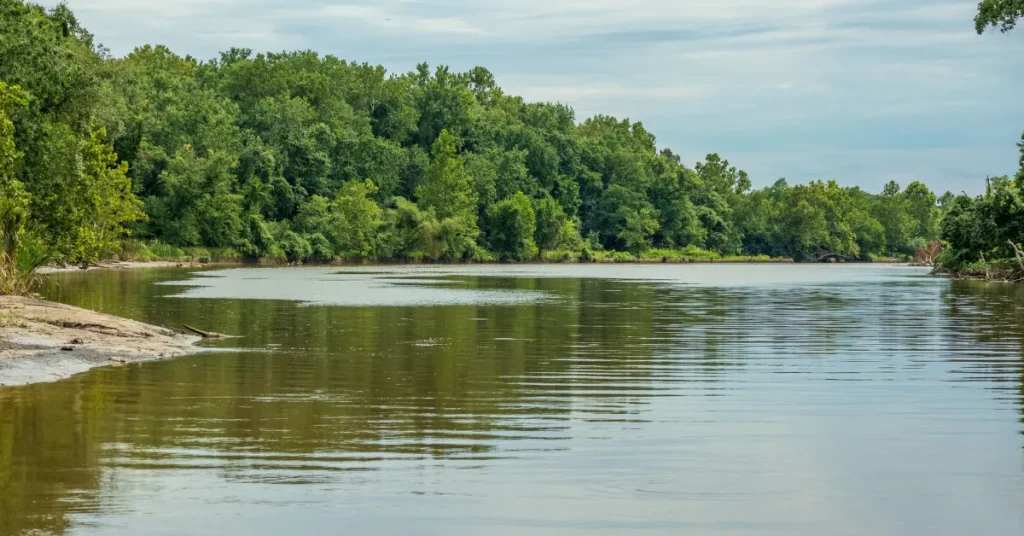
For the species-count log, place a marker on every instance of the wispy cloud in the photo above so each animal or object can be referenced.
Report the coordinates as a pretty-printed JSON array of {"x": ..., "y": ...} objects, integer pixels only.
[{"x": 380, "y": 15}]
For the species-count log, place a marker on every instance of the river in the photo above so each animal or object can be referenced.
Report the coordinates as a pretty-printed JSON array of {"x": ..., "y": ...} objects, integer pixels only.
[{"x": 562, "y": 399}]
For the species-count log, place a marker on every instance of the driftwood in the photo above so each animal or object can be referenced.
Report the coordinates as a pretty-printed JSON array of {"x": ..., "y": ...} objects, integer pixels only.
[
  {"x": 204, "y": 334},
  {"x": 1017, "y": 252}
]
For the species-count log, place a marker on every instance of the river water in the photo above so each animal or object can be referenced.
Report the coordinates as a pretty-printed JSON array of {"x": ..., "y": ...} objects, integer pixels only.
[{"x": 567, "y": 399}]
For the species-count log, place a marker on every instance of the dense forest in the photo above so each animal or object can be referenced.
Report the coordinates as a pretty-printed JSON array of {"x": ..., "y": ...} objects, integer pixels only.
[{"x": 301, "y": 157}]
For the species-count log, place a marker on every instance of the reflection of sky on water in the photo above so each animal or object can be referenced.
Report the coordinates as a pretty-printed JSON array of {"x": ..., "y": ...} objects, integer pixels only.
[
  {"x": 328, "y": 286},
  {"x": 440, "y": 285}
]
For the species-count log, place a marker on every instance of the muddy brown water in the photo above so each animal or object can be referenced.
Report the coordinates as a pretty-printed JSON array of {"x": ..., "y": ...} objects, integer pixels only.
[{"x": 722, "y": 400}]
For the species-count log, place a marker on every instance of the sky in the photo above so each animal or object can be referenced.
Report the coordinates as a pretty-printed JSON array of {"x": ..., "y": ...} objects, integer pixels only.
[{"x": 860, "y": 91}]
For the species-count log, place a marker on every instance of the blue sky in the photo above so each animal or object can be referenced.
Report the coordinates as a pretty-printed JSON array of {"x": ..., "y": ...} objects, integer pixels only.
[{"x": 861, "y": 91}]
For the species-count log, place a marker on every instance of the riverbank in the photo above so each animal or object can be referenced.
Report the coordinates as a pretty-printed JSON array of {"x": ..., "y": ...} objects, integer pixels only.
[
  {"x": 997, "y": 271},
  {"x": 114, "y": 265},
  {"x": 42, "y": 341}
]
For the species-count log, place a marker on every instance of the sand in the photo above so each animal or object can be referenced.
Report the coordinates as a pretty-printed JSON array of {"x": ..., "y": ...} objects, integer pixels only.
[{"x": 42, "y": 341}]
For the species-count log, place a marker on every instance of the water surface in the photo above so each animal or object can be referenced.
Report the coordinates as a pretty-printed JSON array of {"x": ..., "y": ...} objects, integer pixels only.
[{"x": 704, "y": 399}]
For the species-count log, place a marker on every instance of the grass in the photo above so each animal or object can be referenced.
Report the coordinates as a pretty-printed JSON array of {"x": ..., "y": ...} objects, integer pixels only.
[
  {"x": 154, "y": 250},
  {"x": 10, "y": 320},
  {"x": 18, "y": 268}
]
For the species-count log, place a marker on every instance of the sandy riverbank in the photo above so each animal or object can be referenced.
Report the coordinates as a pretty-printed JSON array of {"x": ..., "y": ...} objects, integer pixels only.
[
  {"x": 43, "y": 341},
  {"x": 126, "y": 265}
]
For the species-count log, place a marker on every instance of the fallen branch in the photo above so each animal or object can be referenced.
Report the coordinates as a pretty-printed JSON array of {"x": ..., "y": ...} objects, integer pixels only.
[
  {"x": 1017, "y": 252},
  {"x": 204, "y": 334}
]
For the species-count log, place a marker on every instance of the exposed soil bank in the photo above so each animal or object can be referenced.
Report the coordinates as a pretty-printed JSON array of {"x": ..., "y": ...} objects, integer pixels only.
[
  {"x": 43, "y": 341},
  {"x": 113, "y": 266}
]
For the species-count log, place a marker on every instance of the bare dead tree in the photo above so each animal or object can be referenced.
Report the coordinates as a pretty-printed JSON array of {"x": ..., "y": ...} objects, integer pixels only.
[{"x": 1017, "y": 252}]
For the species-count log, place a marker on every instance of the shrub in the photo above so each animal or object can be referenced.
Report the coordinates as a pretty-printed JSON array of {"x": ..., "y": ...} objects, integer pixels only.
[
  {"x": 322, "y": 251},
  {"x": 18, "y": 273},
  {"x": 164, "y": 252},
  {"x": 562, "y": 255}
]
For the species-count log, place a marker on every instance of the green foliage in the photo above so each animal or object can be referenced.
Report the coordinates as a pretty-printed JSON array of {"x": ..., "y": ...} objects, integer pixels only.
[
  {"x": 446, "y": 188},
  {"x": 300, "y": 157},
  {"x": 687, "y": 254},
  {"x": 196, "y": 205},
  {"x": 146, "y": 251},
  {"x": 96, "y": 210},
  {"x": 355, "y": 219},
  {"x": 18, "y": 273},
  {"x": 1002, "y": 14},
  {"x": 512, "y": 227},
  {"x": 14, "y": 200},
  {"x": 554, "y": 229},
  {"x": 981, "y": 229},
  {"x": 292, "y": 245},
  {"x": 78, "y": 197}
]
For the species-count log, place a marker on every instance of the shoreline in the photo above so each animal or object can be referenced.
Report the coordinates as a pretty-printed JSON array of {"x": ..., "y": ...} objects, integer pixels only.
[
  {"x": 43, "y": 341},
  {"x": 116, "y": 265}
]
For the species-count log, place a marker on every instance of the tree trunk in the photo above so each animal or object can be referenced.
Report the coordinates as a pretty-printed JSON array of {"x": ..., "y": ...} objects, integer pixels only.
[{"x": 1017, "y": 252}]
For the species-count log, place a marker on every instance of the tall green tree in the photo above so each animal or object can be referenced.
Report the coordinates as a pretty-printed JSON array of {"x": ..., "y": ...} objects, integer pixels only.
[
  {"x": 98, "y": 208},
  {"x": 194, "y": 202},
  {"x": 449, "y": 194},
  {"x": 357, "y": 219},
  {"x": 14, "y": 200},
  {"x": 512, "y": 227}
]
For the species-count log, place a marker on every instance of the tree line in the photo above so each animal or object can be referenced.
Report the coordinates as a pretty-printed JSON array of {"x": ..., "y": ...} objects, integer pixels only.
[{"x": 303, "y": 157}]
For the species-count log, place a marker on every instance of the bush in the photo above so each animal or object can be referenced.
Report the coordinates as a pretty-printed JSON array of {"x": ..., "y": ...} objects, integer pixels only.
[
  {"x": 322, "y": 251},
  {"x": 294, "y": 247},
  {"x": 225, "y": 255},
  {"x": 164, "y": 252},
  {"x": 134, "y": 250},
  {"x": 201, "y": 255},
  {"x": 620, "y": 257},
  {"x": 562, "y": 255},
  {"x": 18, "y": 274},
  {"x": 482, "y": 255}
]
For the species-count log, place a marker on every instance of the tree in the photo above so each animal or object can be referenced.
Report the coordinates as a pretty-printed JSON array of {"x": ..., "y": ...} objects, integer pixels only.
[
  {"x": 922, "y": 212},
  {"x": 356, "y": 219},
  {"x": 512, "y": 226},
  {"x": 670, "y": 192},
  {"x": 449, "y": 194},
  {"x": 1002, "y": 14},
  {"x": 891, "y": 212},
  {"x": 982, "y": 228},
  {"x": 555, "y": 230},
  {"x": 98, "y": 207},
  {"x": 639, "y": 225},
  {"x": 14, "y": 200},
  {"x": 195, "y": 201},
  {"x": 447, "y": 188},
  {"x": 271, "y": 154}
]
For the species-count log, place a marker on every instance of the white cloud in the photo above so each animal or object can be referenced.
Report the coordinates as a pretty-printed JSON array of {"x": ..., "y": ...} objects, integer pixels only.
[
  {"x": 609, "y": 90},
  {"x": 386, "y": 17}
]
